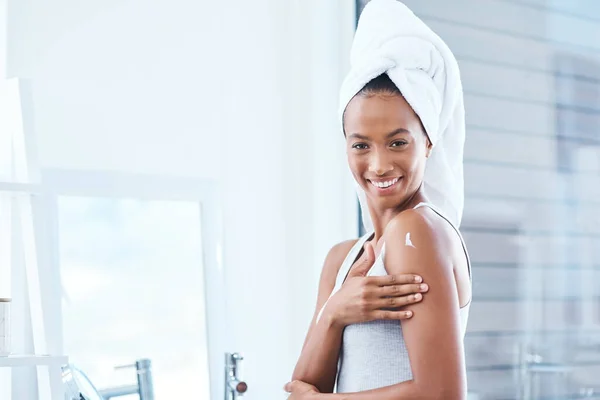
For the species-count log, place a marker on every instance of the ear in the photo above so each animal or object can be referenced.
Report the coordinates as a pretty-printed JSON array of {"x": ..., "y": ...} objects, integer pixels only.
[{"x": 429, "y": 148}]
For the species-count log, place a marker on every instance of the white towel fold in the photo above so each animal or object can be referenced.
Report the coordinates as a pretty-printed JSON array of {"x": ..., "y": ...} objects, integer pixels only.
[{"x": 391, "y": 39}]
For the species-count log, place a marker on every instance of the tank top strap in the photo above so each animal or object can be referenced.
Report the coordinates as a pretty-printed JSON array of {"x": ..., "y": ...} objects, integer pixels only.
[
  {"x": 345, "y": 267},
  {"x": 462, "y": 240},
  {"x": 349, "y": 261}
]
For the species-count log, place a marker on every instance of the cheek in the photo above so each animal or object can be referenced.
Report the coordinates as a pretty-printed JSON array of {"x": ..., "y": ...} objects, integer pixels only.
[
  {"x": 419, "y": 168},
  {"x": 356, "y": 165},
  {"x": 415, "y": 163}
]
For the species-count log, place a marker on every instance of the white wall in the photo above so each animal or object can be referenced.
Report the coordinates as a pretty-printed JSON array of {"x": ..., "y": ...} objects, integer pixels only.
[
  {"x": 244, "y": 93},
  {"x": 3, "y": 39}
]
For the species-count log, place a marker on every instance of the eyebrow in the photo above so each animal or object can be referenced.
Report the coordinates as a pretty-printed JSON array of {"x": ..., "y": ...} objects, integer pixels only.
[{"x": 389, "y": 135}]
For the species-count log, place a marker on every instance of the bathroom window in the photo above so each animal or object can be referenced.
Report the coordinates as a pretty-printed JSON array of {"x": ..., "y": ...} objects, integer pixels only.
[
  {"x": 133, "y": 286},
  {"x": 577, "y": 97}
]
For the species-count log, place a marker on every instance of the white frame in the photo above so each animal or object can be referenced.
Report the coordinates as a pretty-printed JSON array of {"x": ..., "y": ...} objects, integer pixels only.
[
  {"x": 58, "y": 182},
  {"x": 21, "y": 180}
]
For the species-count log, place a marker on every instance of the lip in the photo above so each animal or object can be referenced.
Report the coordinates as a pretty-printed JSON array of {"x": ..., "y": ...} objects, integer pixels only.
[{"x": 383, "y": 191}]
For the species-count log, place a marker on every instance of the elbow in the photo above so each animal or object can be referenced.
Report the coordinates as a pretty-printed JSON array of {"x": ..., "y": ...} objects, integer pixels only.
[
  {"x": 321, "y": 386},
  {"x": 298, "y": 372},
  {"x": 302, "y": 373},
  {"x": 300, "y": 376}
]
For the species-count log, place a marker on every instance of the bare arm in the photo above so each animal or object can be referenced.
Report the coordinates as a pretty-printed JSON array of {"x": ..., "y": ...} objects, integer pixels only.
[
  {"x": 317, "y": 364},
  {"x": 433, "y": 336}
]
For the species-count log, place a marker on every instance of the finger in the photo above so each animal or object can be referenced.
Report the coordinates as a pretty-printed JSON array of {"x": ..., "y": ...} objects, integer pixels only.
[
  {"x": 401, "y": 279},
  {"x": 392, "y": 315},
  {"x": 362, "y": 268},
  {"x": 402, "y": 290},
  {"x": 395, "y": 302},
  {"x": 369, "y": 253},
  {"x": 289, "y": 387}
]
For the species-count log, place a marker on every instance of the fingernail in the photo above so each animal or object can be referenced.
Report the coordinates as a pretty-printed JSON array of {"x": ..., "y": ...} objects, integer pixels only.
[
  {"x": 424, "y": 286},
  {"x": 408, "y": 313},
  {"x": 418, "y": 296},
  {"x": 418, "y": 279}
]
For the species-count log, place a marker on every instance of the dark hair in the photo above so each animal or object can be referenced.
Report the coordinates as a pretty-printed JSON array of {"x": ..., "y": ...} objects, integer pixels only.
[{"x": 380, "y": 85}]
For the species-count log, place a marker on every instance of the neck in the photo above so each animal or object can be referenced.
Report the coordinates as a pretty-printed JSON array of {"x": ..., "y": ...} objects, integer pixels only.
[{"x": 381, "y": 217}]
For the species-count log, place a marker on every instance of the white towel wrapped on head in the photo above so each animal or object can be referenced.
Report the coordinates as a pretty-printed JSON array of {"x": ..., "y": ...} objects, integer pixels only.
[{"x": 391, "y": 39}]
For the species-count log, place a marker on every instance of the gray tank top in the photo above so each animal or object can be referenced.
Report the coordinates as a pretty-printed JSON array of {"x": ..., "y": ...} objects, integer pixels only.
[{"x": 374, "y": 354}]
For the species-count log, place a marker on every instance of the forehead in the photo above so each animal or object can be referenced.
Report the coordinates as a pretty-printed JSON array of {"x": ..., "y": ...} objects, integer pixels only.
[{"x": 379, "y": 111}]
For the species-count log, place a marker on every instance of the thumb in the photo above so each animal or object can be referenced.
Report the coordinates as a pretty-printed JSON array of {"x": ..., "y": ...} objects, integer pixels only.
[
  {"x": 362, "y": 268},
  {"x": 290, "y": 386}
]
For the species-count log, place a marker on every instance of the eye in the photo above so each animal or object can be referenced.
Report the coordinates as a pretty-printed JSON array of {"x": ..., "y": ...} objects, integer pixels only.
[
  {"x": 399, "y": 143},
  {"x": 359, "y": 146}
]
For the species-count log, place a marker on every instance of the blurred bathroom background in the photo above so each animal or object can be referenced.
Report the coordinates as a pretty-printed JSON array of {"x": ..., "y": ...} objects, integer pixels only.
[{"x": 172, "y": 175}]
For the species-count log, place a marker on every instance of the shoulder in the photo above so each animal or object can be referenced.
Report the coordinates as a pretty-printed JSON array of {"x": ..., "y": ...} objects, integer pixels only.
[
  {"x": 418, "y": 222},
  {"x": 331, "y": 267},
  {"x": 336, "y": 256},
  {"x": 417, "y": 236}
]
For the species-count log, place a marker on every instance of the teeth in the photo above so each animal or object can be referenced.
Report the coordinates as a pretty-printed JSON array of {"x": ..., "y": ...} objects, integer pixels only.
[{"x": 385, "y": 184}]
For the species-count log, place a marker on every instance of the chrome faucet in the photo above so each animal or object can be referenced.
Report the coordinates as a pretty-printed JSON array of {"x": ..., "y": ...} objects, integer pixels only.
[
  {"x": 144, "y": 388},
  {"x": 234, "y": 387}
]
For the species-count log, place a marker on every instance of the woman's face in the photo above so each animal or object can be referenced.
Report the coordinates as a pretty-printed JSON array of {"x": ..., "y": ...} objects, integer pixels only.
[{"x": 386, "y": 146}]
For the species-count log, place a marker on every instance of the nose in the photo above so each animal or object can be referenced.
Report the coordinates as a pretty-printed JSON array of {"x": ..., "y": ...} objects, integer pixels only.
[{"x": 380, "y": 163}]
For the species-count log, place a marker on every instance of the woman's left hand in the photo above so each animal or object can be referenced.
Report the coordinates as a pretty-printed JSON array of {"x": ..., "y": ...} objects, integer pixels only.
[{"x": 299, "y": 390}]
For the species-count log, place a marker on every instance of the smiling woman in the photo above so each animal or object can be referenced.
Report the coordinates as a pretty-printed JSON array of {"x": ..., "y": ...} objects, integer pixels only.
[
  {"x": 401, "y": 110},
  {"x": 388, "y": 149}
]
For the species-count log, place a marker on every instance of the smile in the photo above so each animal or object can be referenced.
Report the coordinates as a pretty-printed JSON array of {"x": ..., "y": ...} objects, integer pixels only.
[{"x": 384, "y": 184}]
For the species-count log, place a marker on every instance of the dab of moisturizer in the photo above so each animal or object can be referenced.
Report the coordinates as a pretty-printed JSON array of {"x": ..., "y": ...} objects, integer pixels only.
[{"x": 408, "y": 242}]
